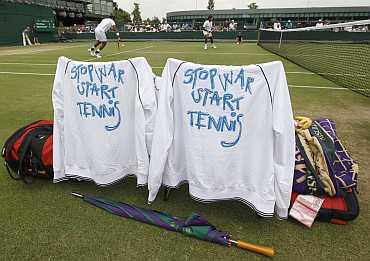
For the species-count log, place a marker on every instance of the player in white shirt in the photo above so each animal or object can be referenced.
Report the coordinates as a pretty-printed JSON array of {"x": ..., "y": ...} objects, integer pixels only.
[
  {"x": 25, "y": 36},
  {"x": 100, "y": 35},
  {"x": 207, "y": 32}
]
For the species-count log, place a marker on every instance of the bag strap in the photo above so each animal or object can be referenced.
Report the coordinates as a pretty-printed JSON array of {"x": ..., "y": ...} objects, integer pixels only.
[
  {"x": 311, "y": 171},
  {"x": 15, "y": 136},
  {"x": 36, "y": 148},
  {"x": 326, "y": 141},
  {"x": 24, "y": 149},
  {"x": 353, "y": 209},
  {"x": 47, "y": 130},
  {"x": 12, "y": 174},
  {"x": 352, "y": 212}
]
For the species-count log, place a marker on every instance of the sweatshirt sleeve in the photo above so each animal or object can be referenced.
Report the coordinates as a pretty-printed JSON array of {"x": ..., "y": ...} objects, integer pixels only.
[
  {"x": 163, "y": 134},
  {"x": 157, "y": 85},
  {"x": 284, "y": 139},
  {"x": 58, "y": 129},
  {"x": 147, "y": 95}
]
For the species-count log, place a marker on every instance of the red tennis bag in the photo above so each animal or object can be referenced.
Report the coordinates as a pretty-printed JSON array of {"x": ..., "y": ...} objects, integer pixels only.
[{"x": 28, "y": 153}]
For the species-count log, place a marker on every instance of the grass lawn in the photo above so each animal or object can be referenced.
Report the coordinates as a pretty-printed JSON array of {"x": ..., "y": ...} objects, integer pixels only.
[{"x": 43, "y": 222}]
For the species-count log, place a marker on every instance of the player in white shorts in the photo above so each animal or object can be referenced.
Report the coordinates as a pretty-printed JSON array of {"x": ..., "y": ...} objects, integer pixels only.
[
  {"x": 207, "y": 32},
  {"x": 100, "y": 35},
  {"x": 25, "y": 36}
]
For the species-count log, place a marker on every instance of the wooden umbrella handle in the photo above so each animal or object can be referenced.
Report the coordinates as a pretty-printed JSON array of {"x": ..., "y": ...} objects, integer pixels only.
[{"x": 267, "y": 251}]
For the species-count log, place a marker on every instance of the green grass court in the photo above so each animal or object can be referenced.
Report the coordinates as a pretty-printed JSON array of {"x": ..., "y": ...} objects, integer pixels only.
[{"x": 43, "y": 222}]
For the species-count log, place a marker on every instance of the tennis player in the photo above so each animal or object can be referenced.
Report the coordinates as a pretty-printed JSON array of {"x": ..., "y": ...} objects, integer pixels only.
[
  {"x": 100, "y": 35},
  {"x": 207, "y": 32},
  {"x": 25, "y": 37},
  {"x": 239, "y": 38}
]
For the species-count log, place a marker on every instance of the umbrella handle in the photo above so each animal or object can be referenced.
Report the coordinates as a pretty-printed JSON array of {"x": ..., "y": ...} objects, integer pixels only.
[{"x": 267, "y": 251}]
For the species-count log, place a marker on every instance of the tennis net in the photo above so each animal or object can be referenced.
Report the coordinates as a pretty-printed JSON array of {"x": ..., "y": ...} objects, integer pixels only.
[{"x": 338, "y": 52}]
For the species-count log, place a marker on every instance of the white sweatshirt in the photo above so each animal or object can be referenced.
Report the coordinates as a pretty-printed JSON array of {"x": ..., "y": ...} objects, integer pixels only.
[
  {"x": 105, "y": 25},
  {"x": 103, "y": 120},
  {"x": 226, "y": 130}
]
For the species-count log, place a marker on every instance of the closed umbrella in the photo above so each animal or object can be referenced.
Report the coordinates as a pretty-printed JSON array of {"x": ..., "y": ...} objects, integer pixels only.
[{"x": 194, "y": 226}]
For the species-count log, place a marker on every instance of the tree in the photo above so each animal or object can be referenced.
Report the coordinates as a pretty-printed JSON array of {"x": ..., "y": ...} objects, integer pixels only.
[
  {"x": 136, "y": 14},
  {"x": 126, "y": 17},
  {"x": 147, "y": 21},
  {"x": 155, "y": 21},
  {"x": 253, "y": 6},
  {"x": 122, "y": 17},
  {"x": 211, "y": 5}
]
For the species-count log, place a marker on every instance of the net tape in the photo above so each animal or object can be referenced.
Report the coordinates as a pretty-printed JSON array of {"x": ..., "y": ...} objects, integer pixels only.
[{"x": 324, "y": 27}]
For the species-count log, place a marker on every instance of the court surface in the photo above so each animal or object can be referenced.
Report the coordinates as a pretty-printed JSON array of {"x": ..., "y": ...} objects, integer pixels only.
[{"x": 43, "y": 222}]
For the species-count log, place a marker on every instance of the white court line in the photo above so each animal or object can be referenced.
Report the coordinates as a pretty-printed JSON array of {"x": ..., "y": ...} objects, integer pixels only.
[
  {"x": 206, "y": 53},
  {"x": 29, "y": 51},
  {"x": 292, "y": 86},
  {"x": 127, "y": 51},
  {"x": 154, "y": 67},
  {"x": 52, "y": 64},
  {"x": 161, "y": 67},
  {"x": 31, "y": 64},
  {"x": 55, "y": 64},
  {"x": 310, "y": 73},
  {"x": 318, "y": 87},
  {"x": 28, "y": 73},
  {"x": 333, "y": 74}
]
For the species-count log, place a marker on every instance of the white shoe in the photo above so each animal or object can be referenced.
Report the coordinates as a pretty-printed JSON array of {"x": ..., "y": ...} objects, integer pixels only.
[
  {"x": 214, "y": 47},
  {"x": 92, "y": 51},
  {"x": 97, "y": 53},
  {"x": 205, "y": 47}
]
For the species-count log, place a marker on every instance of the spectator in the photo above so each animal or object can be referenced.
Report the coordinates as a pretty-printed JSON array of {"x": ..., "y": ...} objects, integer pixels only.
[
  {"x": 319, "y": 23},
  {"x": 277, "y": 25},
  {"x": 289, "y": 25},
  {"x": 232, "y": 26},
  {"x": 168, "y": 28},
  {"x": 35, "y": 35}
]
